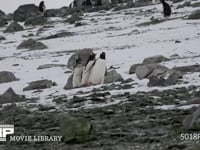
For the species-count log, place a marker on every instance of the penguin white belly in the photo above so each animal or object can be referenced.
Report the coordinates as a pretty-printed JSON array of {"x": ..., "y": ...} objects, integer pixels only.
[
  {"x": 98, "y": 72},
  {"x": 77, "y": 76},
  {"x": 86, "y": 73}
]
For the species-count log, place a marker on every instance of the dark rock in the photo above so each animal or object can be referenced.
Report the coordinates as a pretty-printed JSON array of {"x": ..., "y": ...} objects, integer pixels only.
[
  {"x": 133, "y": 68},
  {"x": 6, "y": 76},
  {"x": 155, "y": 81},
  {"x": 75, "y": 129},
  {"x": 2, "y": 38},
  {"x": 195, "y": 15},
  {"x": 50, "y": 66},
  {"x": 83, "y": 54},
  {"x": 41, "y": 84},
  {"x": 35, "y": 20},
  {"x": 14, "y": 27},
  {"x": 62, "y": 12},
  {"x": 185, "y": 69},
  {"x": 58, "y": 35},
  {"x": 112, "y": 76},
  {"x": 11, "y": 97},
  {"x": 177, "y": 41},
  {"x": 78, "y": 24},
  {"x": 31, "y": 45},
  {"x": 3, "y": 22},
  {"x": 155, "y": 59},
  {"x": 25, "y": 11},
  {"x": 68, "y": 85}
]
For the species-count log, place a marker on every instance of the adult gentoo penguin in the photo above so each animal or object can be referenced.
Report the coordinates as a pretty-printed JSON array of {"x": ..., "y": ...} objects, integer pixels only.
[
  {"x": 99, "y": 70},
  {"x": 42, "y": 7},
  {"x": 166, "y": 9},
  {"x": 77, "y": 73},
  {"x": 87, "y": 70}
]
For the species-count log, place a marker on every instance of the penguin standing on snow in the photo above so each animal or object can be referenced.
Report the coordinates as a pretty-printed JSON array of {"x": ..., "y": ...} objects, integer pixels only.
[
  {"x": 42, "y": 7},
  {"x": 166, "y": 9},
  {"x": 87, "y": 70},
  {"x": 77, "y": 73},
  {"x": 98, "y": 71}
]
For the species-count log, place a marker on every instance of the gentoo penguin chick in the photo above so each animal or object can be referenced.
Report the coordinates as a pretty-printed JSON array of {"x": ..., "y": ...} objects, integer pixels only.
[
  {"x": 98, "y": 71},
  {"x": 166, "y": 8},
  {"x": 77, "y": 73},
  {"x": 87, "y": 70},
  {"x": 42, "y": 7}
]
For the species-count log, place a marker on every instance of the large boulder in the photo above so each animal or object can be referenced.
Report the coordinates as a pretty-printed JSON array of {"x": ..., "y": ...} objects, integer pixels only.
[
  {"x": 31, "y": 45},
  {"x": 84, "y": 54},
  {"x": 133, "y": 68},
  {"x": 195, "y": 15},
  {"x": 112, "y": 76},
  {"x": 35, "y": 20},
  {"x": 155, "y": 59},
  {"x": 25, "y": 11},
  {"x": 6, "y": 76},
  {"x": 166, "y": 79},
  {"x": 69, "y": 85},
  {"x": 75, "y": 129},
  {"x": 143, "y": 71},
  {"x": 9, "y": 96},
  {"x": 14, "y": 27},
  {"x": 40, "y": 84}
]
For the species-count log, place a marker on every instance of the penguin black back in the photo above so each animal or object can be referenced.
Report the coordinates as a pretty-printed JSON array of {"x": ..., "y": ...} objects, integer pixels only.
[
  {"x": 166, "y": 8},
  {"x": 41, "y": 6},
  {"x": 103, "y": 55}
]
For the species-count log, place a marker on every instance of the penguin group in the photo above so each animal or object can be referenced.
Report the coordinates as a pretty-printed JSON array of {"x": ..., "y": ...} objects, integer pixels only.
[{"x": 92, "y": 73}]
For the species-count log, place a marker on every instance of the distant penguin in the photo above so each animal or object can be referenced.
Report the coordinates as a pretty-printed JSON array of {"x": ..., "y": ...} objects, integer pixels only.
[
  {"x": 98, "y": 71},
  {"x": 87, "y": 70},
  {"x": 42, "y": 7},
  {"x": 77, "y": 73},
  {"x": 166, "y": 9}
]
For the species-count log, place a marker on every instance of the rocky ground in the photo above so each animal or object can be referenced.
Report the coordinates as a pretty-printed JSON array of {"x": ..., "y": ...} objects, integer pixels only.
[{"x": 151, "y": 85}]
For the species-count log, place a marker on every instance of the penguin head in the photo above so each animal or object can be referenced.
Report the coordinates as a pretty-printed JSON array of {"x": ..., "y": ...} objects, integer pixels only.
[
  {"x": 162, "y": 1},
  {"x": 78, "y": 60},
  {"x": 103, "y": 55}
]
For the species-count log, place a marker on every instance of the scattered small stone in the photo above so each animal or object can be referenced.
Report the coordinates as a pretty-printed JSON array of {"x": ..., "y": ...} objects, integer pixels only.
[
  {"x": 31, "y": 45},
  {"x": 14, "y": 27},
  {"x": 46, "y": 66},
  {"x": 40, "y": 84},
  {"x": 35, "y": 20},
  {"x": 194, "y": 15},
  {"x": 155, "y": 59},
  {"x": 2, "y": 38},
  {"x": 177, "y": 41},
  {"x": 9, "y": 96},
  {"x": 6, "y": 76}
]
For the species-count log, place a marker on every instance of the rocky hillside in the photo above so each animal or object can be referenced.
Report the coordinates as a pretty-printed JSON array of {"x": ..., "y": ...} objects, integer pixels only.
[{"x": 152, "y": 82}]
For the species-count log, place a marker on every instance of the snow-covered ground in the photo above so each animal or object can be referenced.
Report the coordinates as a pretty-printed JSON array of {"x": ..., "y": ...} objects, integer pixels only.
[{"x": 118, "y": 34}]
